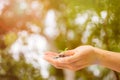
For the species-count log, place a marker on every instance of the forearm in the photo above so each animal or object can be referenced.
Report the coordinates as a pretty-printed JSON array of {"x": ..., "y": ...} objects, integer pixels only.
[{"x": 108, "y": 59}]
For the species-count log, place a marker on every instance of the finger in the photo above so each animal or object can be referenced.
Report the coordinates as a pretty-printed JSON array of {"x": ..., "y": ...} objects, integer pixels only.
[
  {"x": 67, "y": 53},
  {"x": 77, "y": 65},
  {"x": 62, "y": 66},
  {"x": 81, "y": 67},
  {"x": 70, "y": 67},
  {"x": 51, "y": 60},
  {"x": 55, "y": 63},
  {"x": 51, "y": 53},
  {"x": 69, "y": 59}
]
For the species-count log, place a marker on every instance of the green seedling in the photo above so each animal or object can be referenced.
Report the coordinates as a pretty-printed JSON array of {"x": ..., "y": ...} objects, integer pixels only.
[
  {"x": 61, "y": 55},
  {"x": 61, "y": 51}
]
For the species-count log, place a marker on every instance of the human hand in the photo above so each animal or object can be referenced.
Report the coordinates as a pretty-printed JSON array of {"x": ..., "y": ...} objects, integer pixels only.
[{"x": 75, "y": 59}]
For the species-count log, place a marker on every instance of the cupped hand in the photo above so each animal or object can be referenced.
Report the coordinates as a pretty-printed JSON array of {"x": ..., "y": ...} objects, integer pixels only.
[{"x": 74, "y": 59}]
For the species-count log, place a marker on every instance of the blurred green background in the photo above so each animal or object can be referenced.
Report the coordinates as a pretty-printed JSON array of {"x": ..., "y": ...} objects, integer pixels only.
[{"x": 28, "y": 28}]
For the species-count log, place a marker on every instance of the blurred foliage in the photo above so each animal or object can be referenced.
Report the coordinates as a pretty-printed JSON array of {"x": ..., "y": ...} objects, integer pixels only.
[
  {"x": 16, "y": 14},
  {"x": 11, "y": 69},
  {"x": 10, "y": 38},
  {"x": 57, "y": 73}
]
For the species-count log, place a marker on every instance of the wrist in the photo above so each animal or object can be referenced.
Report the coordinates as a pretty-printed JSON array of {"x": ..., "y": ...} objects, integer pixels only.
[
  {"x": 95, "y": 55},
  {"x": 100, "y": 56}
]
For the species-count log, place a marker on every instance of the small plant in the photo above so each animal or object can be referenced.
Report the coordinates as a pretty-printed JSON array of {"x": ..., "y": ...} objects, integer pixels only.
[{"x": 61, "y": 54}]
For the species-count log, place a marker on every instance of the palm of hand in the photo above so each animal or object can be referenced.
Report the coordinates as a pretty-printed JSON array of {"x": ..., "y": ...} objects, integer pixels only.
[{"x": 75, "y": 59}]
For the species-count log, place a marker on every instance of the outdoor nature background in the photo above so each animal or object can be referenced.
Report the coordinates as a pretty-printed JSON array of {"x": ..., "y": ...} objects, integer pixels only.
[{"x": 28, "y": 28}]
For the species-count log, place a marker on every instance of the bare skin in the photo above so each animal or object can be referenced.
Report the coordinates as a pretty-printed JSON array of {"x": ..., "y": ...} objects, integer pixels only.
[{"x": 82, "y": 57}]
